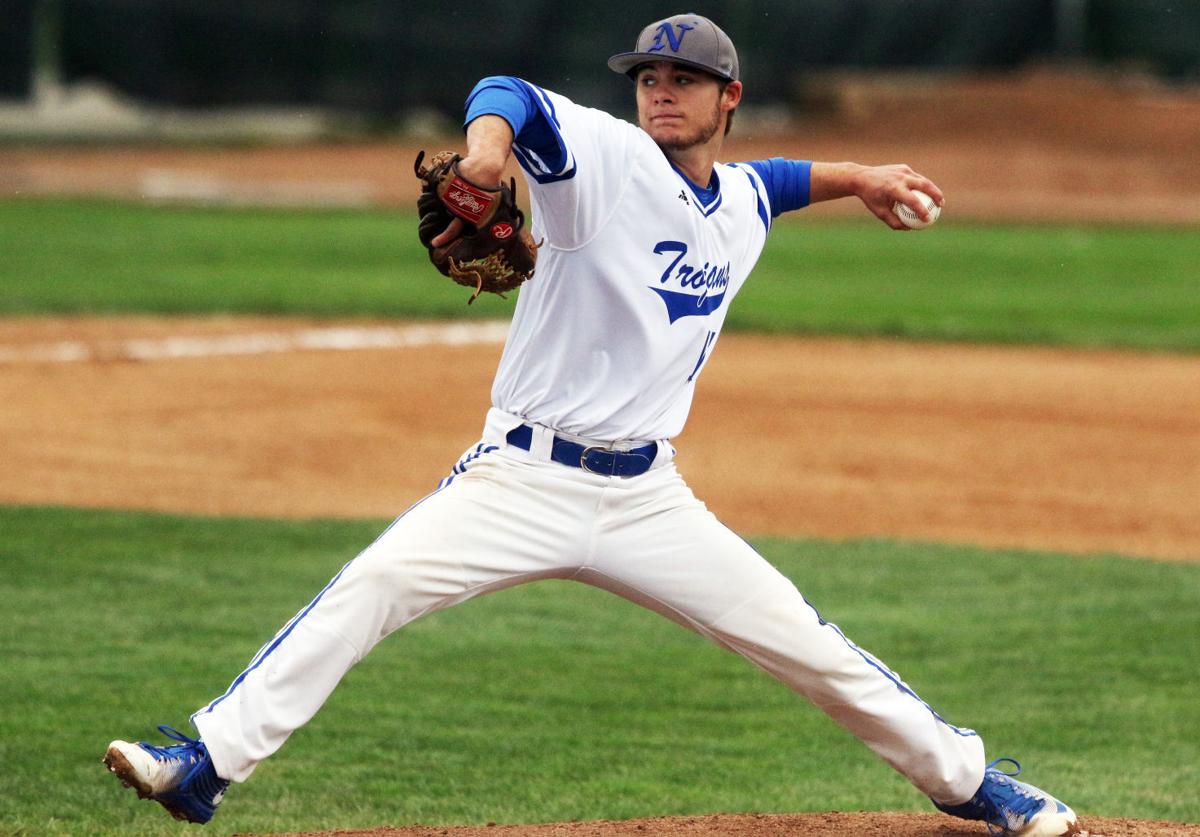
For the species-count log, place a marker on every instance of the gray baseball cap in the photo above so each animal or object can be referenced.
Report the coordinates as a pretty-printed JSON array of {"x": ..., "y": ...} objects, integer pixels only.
[{"x": 691, "y": 40}]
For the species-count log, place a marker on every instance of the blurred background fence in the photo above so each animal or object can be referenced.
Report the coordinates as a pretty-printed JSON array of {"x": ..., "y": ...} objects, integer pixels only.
[{"x": 383, "y": 60}]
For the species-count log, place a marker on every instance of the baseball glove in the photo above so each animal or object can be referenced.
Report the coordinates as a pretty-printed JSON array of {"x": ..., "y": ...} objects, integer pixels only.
[{"x": 495, "y": 252}]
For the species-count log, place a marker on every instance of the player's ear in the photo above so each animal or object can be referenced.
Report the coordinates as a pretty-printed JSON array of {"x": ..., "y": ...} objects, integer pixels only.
[{"x": 731, "y": 96}]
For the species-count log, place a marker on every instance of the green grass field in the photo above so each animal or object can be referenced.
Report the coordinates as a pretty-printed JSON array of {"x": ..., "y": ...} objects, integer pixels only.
[
  {"x": 1085, "y": 286},
  {"x": 556, "y": 701}
]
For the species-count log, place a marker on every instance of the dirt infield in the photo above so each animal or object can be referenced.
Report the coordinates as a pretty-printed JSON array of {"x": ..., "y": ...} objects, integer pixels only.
[
  {"x": 1023, "y": 447},
  {"x": 772, "y": 825}
]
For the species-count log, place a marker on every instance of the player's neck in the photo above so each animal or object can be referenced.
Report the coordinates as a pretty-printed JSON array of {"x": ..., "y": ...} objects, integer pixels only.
[{"x": 696, "y": 162}]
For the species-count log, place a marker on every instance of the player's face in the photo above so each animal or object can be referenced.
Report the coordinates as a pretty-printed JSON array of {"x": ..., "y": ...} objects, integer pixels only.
[{"x": 679, "y": 108}]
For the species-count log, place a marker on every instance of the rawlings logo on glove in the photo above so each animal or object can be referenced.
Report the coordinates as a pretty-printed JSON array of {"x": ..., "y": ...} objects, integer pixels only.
[
  {"x": 467, "y": 203},
  {"x": 495, "y": 252}
]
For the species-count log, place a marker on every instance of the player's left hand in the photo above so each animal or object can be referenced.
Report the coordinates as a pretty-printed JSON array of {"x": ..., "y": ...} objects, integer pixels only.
[{"x": 880, "y": 187}]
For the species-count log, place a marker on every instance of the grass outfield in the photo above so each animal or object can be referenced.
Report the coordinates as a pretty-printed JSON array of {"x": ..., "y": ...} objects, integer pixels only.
[
  {"x": 1083, "y": 286},
  {"x": 556, "y": 701}
]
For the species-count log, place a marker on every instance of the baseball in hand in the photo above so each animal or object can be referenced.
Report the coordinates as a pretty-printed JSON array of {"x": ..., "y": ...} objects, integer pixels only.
[{"x": 911, "y": 219}]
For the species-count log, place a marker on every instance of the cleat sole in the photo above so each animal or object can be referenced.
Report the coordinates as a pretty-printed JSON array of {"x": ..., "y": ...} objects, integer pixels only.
[
  {"x": 118, "y": 765},
  {"x": 1042, "y": 827}
]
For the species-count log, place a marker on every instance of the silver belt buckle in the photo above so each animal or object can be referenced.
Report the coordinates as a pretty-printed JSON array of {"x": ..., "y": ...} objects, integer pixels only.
[{"x": 583, "y": 460}]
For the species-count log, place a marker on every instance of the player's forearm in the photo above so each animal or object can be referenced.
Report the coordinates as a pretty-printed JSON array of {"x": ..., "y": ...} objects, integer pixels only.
[
  {"x": 879, "y": 187},
  {"x": 834, "y": 180},
  {"x": 489, "y": 144}
]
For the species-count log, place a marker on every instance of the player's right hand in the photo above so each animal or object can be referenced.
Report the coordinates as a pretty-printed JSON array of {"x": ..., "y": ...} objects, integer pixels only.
[{"x": 880, "y": 187}]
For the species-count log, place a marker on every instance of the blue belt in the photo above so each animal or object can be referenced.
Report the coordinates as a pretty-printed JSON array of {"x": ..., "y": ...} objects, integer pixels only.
[{"x": 597, "y": 460}]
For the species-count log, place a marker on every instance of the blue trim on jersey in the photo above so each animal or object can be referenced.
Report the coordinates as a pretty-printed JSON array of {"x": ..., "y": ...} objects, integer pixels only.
[
  {"x": 762, "y": 210},
  {"x": 545, "y": 166},
  {"x": 538, "y": 143},
  {"x": 788, "y": 183},
  {"x": 502, "y": 96},
  {"x": 708, "y": 199},
  {"x": 709, "y": 210}
]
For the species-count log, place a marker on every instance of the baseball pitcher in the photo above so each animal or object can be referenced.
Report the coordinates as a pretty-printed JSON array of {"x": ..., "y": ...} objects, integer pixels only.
[{"x": 636, "y": 245}]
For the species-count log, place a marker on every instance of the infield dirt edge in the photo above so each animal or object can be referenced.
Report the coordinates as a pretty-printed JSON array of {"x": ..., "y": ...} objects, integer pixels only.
[{"x": 831, "y": 824}]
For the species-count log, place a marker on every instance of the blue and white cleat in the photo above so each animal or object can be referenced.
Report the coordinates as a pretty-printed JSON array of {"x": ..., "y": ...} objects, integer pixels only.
[
  {"x": 1015, "y": 809},
  {"x": 179, "y": 777}
]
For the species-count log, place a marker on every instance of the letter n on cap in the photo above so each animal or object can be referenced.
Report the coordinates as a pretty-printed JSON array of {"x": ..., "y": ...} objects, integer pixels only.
[{"x": 666, "y": 29}]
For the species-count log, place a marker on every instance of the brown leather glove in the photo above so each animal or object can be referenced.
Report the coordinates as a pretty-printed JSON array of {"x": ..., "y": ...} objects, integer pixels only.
[{"x": 495, "y": 252}]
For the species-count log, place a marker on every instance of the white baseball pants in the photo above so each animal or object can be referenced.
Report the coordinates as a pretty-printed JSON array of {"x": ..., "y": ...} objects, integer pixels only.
[{"x": 509, "y": 516}]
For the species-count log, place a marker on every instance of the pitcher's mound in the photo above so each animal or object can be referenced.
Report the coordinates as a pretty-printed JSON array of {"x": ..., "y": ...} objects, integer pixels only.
[{"x": 771, "y": 825}]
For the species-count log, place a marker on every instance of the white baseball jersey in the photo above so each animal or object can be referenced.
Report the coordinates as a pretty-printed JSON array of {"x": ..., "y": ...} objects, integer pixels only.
[{"x": 632, "y": 285}]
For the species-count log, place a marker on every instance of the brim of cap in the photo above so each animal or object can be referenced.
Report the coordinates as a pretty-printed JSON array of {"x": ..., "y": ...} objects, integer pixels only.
[{"x": 625, "y": 62}]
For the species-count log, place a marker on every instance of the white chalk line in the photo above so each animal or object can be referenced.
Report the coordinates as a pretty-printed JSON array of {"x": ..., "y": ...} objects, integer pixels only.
[{"x": 340, "y": 338}]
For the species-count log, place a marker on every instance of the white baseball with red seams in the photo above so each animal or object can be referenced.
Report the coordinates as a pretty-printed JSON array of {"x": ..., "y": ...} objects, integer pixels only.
[{"x": 911, "y": 219}]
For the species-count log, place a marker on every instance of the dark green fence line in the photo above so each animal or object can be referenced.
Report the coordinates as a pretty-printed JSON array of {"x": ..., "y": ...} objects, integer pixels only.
[
  {"x": 16, "y": 48},
  {"x": 386, "y": 57}
]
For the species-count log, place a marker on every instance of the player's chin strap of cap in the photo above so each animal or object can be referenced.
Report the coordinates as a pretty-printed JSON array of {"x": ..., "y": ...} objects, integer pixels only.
[{"x": 597, "y": 460}]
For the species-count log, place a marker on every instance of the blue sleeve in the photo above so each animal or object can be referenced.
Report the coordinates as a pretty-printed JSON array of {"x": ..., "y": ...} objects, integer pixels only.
[
  {"x": 537, "y": 137},
  {"x": 787, "y": 182}
]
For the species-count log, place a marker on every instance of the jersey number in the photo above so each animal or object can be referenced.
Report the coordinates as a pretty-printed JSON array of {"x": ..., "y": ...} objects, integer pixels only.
[{"x": 708, "y": 341}]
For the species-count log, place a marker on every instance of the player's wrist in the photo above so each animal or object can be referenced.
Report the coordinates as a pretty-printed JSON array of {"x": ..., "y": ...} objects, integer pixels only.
[
  {"x": 856, "y": 179},
  {"x": 482, "y": 170}
]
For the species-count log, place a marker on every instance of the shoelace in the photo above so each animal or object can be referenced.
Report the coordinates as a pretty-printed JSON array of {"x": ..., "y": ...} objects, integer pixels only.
[
  {"x": 188, "y": 749},
  {"x": 1019, "y": 802},
  {"x": 991, "y": 766}
]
